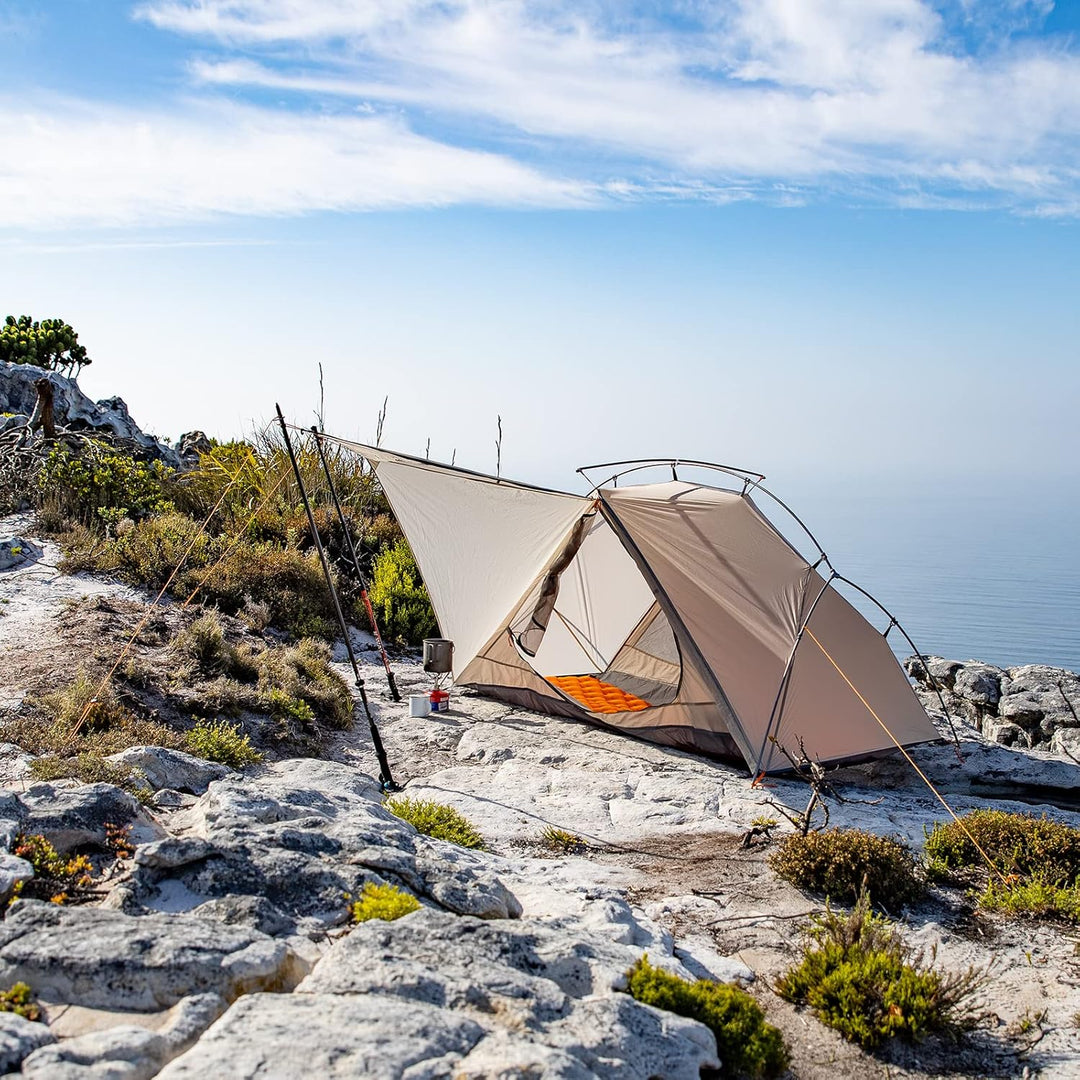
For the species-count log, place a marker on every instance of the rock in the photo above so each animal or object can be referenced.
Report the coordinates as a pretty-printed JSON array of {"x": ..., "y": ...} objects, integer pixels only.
[
  {"x": 172, "y": 852},
  {"x": 73, "y": 817},
  {"x": 299, "y": 836},
  {"x": 503, "y": 1056},
  {"x": 127, "y": 1051},
  {"x": 1066, "y": 742},
  {"x": 18, "y": 1038},
  {"x": 12, "y": 871},
  {"x": 1006, "y": 733},
  {"x": 190, "y": 445},
  {"x": 106, "y": 959},
  {"x": 172, "y": 769},
  {"x": 978, "y": 683},
  {"x": 1021, "y": 708},
  {"x": 73, "y": 409},
  {"x": 15, "y": 551},
  {"x": 281, "y": 1037}
]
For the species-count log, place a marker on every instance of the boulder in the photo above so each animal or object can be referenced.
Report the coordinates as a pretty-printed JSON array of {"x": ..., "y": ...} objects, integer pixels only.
[
  {"x": 978, "y": 683},
  {"x": 12, "y": 871},
  {"x": 16, "y": 551},
  {"x": 18, "y": 1038},
  {"x": 281, "y": 1037},
  {"x": 129, "y": 1051},
  {"x": 73, "y": 409},
  {"x": 299, "y": 836},
  {"x": 190, "y": 445},
  {"x": 106, "y": 959},
  {"x": 172, "y": 769},
  {"x": 74, "y": 817}
]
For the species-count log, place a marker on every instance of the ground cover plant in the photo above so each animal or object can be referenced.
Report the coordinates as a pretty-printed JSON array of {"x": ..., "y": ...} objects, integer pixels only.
[
  {"x": 436, "y": 820},
  {"x": 1036, "y": 862},
  {"x": 57, "y": 878},
  {"x": 560, "y": 840},
  {"x": 859, "y": 978},
  {"x": 90, "y": 768},
  {"x": 19, "y": 999},
  {"x": 384, "y": 902},
  {"x": 843, "y": 863},
  {"x": 220, "y": 741},
  {"x": 747, "y": 1045}
]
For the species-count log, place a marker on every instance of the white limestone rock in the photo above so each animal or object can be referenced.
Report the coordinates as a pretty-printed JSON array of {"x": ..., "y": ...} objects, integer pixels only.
[
  {"x": 20, "y": 1037},
  {"x": 173, "y": 769},
  {"x": 73, "y": 817},
  {"x": 106, "y": 959}
]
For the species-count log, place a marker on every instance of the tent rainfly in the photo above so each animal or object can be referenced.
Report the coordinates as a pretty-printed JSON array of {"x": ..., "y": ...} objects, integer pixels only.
[{"x": 674, "y": 611}]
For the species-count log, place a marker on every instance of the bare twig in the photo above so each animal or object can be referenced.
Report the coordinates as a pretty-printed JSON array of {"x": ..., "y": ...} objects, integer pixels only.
[{"x": 498, "y": 451}]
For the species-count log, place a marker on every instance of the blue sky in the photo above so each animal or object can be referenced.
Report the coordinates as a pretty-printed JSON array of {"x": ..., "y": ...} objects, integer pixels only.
[{"x": 797, "y": 236}]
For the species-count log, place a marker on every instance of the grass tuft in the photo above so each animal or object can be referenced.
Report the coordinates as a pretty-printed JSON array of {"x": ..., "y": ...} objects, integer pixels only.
[
  {"x": 746, "y": 1043},
  {"x": 562, "y": 841},
  {"x": 90, "y": 768},
  {"x": 437, "y": 821},
  {"x": 383, "y": 902}
]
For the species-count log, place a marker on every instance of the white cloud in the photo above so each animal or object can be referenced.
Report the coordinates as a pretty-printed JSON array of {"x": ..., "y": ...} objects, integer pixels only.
[
  {"x": 567, "y": 102},
  {"x": 78, "y": 164}
]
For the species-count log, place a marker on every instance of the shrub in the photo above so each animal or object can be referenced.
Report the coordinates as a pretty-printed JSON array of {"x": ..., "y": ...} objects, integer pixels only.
[
  {"x": 100, "y": 484},
  {"x": 859, "y": 978},
  {"x": 1017, "y": 843},
  {"x": 20, "y": 1000},
  {"x": 203, "y": 644},
  {"x": 746, "y": 1044},
  {"x": 383, "y": 902},
  {"x": 841, "y": 863},
  {"x": 217, "y": 740},
  {"x": 561, "y": 840},
  {"x": 1037, "y": 898},
  {"x": 399, "y": 598},
  {"x": 38, "y": 737},
  {"x": 51, "y": 344},
  {"x": 437, "y": 821},
  {"x": 303, "y": 675}
]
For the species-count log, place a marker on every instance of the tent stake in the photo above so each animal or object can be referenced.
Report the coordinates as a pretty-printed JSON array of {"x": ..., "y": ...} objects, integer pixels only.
[
  {"x": 361, "y": 580},
  {"x": 385, "y": 777}
]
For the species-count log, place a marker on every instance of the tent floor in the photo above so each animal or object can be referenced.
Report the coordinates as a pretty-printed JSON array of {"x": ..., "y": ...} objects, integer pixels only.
[{"x": 597, "y": 696}]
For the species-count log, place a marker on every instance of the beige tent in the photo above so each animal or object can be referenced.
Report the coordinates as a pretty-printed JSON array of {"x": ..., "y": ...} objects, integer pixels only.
[{"x": 673, "y": 611}]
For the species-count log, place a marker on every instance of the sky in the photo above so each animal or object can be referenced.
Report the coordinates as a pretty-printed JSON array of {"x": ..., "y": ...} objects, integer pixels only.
[{"x": 839, "y": 238}]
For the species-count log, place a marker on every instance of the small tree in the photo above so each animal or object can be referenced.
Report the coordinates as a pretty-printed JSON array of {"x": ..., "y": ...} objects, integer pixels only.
[{"x": 51, "y": 344}]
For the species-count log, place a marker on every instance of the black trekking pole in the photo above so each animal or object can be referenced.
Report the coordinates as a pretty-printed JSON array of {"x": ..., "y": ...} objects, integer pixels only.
[
  {"x": 385, "y": 778},
  {"x": 360, "y": 578}
]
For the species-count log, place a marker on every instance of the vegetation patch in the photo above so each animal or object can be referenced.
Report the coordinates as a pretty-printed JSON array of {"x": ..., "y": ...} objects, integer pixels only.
[
  {"x": 19, "y": 999},
  {"x": 746, "y": 1043},
  {"x": 399, "y": 597},
  {"x": 1016, "y": 843},
  {"x": 1036, "y": 898},
  {"x": 843, "y": 863},
  {"x": 860, "y": 979},
  {"x": 436, "y": 820},
  {"x": 560, "y": 840},
  {"x": 56, "y": 878},
  {"x": 218, "y": 740},
  {"x": 383, "y": 902}
]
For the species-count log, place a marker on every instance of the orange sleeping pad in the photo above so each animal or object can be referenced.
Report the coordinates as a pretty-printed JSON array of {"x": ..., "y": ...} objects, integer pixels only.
[{"x": 597, "y": 696}]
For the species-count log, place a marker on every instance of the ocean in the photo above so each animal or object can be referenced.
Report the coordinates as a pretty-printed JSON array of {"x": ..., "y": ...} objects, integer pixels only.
[{"x": 991, "y": 574}]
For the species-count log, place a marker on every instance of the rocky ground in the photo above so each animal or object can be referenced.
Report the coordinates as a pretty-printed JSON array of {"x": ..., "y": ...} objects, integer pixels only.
[{"x": 218, "y": 944}]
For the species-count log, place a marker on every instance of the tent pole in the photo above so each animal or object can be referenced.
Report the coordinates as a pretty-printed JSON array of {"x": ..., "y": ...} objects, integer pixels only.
[
  {"x": 360, "y": 578},
  {"x": 385, "y": 777}
]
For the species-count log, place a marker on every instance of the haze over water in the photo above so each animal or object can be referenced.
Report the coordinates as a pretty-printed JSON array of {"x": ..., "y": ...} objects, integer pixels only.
[{"x": 990, "y": 575}]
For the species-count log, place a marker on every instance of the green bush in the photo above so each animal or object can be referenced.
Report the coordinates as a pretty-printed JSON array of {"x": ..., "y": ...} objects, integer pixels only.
[
  {"x": 436, "y": 820},
  {"x": 217, "y": 740},
  {"x": 203, "y": 644},
  {"x": 841, "y": 863},
  {"x": 860, "y": 979},
  {"x": 302, "y": 674},
  {"x": 51, "y": 344},
  {"x": 100, "y": 484},
  {"x": 1017, "y": 843},
  {"x": 399, "y": 597},
  {"x": 383, "y": 902},
  {"x": 20, "y": 1000},
  {"x": 1037, "y": 898},
  {"x": 746, "y": 1044}
]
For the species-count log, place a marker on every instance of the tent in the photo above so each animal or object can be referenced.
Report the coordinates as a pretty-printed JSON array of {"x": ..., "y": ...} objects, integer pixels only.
[{"x": 673, "y": 611}]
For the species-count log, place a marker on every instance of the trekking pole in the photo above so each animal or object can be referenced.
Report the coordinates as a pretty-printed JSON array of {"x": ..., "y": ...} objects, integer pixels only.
[
  {"x": 361, "y": 579},
  {"x": 385, "y": 778}
]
